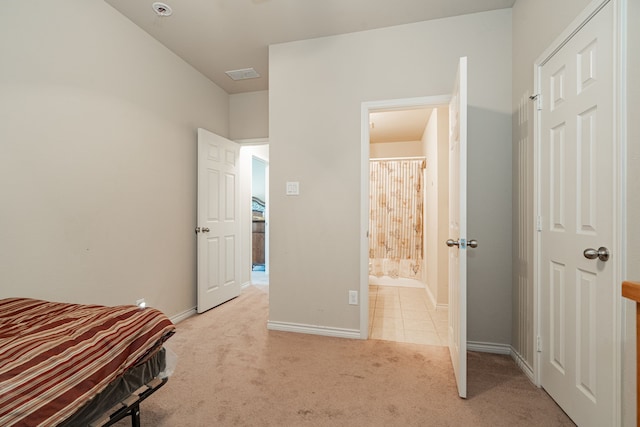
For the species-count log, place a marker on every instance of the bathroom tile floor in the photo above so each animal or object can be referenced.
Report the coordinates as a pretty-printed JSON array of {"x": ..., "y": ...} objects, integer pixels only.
[{"x": 405, "y": 315}]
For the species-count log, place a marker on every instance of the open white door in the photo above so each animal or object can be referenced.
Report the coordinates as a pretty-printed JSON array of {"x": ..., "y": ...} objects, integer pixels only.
[
  {"x": 218, "y": 227},
  {"x": 458, "y": 228}
]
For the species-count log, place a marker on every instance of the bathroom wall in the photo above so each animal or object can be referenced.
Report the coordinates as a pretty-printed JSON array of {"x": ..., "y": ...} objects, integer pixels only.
[{"x": 436, "y": 143}]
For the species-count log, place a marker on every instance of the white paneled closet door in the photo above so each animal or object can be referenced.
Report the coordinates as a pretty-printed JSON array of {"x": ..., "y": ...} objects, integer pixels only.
[{"x": 577, "y": 209}]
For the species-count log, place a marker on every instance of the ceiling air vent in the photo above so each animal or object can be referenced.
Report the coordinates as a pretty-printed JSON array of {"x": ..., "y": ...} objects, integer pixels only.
[
  {"x": 245, "y": 73},
  {"x": 162, "y": 9}
]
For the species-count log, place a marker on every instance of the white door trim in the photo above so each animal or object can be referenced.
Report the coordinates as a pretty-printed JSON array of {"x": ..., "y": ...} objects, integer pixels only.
[
  {"x": 368, "y": 107},
  {"x": 619, "y": 142}
]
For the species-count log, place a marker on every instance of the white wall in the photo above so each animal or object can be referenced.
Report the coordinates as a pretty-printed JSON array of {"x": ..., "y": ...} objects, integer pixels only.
[
  {"x": 98, "y": 157},
  {"x": 431, "y": 202},
  {"x": 380, "y": 150},
  {"x": 435, "y": 140},
  {"x": 442, "y": 205},
  {"x": 258, "y": 182},
  {"x": 316, "y": 91},
  {"x": 249, "y": 115}
]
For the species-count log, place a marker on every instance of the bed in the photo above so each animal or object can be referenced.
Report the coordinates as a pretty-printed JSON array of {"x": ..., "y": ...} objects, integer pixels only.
[{"x": 74, "y": 365}]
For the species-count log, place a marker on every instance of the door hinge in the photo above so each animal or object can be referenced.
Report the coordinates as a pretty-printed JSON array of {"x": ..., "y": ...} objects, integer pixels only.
[
  {"x": 539, "y": 223},
  {"x": 539, "y": 344}
]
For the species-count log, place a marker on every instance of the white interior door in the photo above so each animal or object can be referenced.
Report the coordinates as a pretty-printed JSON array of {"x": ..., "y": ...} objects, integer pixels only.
[
  {"x": 458, "y": 228},
  {"x": 577, "y": 185},
  {"x": 218, "y": 227}
]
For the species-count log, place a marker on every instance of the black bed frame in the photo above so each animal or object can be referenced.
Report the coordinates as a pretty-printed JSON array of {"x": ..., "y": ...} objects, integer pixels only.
[{"x": 130, "y": 406}]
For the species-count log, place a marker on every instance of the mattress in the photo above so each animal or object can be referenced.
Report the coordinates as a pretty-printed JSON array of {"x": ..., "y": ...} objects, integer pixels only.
[
  {"x": 56, "y": 358},
  {"x": 118, "y": 390}
]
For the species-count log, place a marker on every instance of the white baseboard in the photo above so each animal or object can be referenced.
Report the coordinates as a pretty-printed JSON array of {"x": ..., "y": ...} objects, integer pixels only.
[
  {"x": 523, "y": 365},
  {"x": 183, "y": 316},
  {"x": 489, "y": 347},
  {"x": 430, "y": 296},
  {"x": 245, "y": 285},
  {"x": 400, "y": 281},
  {"x": 314, "y": 330}
]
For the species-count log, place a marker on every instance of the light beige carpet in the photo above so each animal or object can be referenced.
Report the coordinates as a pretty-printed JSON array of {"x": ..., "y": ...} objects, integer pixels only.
[{"x": 232, "y": 371}]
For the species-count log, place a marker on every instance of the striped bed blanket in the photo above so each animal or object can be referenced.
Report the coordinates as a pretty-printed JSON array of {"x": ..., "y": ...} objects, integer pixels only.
[{"x": 55, "y": 357}]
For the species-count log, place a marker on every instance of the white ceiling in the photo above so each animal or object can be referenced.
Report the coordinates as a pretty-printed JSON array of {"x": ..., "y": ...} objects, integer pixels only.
[
  {"x": 215, "y": 36},
  {"x": 398, "y": 125}
]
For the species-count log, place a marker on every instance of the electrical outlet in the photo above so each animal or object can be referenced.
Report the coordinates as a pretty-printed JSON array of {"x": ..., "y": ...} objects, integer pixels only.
[
  {"x": 141, "y": 303},
  {"x": 353, "y": 297}
]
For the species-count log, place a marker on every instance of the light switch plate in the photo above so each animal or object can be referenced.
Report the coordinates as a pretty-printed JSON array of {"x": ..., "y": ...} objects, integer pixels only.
[
  {"x": 293, "y": 188},
  {"x": 353, "y": 297}
]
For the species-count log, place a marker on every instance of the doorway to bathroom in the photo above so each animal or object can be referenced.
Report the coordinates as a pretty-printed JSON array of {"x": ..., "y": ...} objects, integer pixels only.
[{"x": 408, "y": 221}]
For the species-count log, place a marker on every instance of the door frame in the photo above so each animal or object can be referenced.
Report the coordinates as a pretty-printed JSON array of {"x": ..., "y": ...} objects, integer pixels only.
[
  {"x": 367, "y": 108},
  {"x": 619, "y": 143},
  {"x": 248, "y": 148}
]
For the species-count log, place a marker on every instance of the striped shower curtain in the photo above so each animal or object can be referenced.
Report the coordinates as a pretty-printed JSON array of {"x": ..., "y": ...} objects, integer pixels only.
[{"x": 396, "y": 218}]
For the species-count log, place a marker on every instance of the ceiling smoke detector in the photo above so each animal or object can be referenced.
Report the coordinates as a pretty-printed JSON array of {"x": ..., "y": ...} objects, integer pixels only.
[
  {"x": 162, "y": 9},
  {"x": 243, "y": 74}
]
